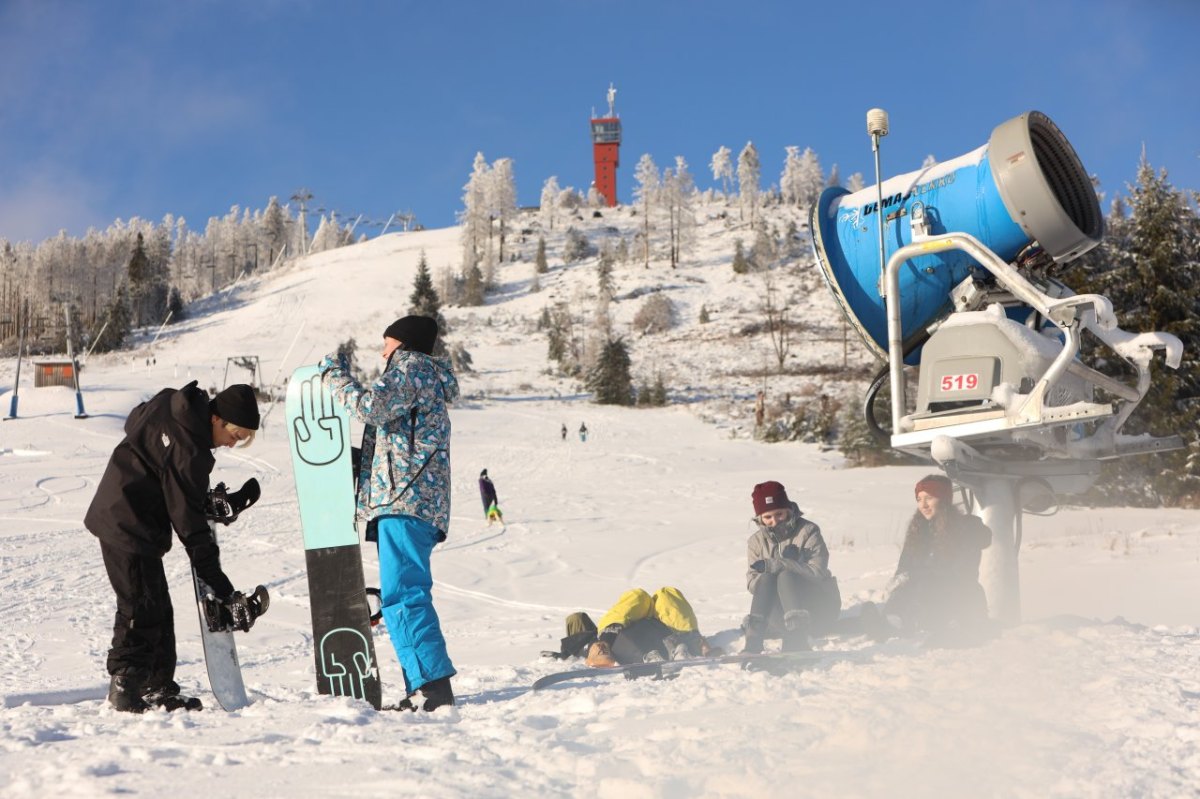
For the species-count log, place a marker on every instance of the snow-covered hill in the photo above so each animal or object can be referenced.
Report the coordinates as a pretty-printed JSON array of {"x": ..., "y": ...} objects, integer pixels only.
[{"x": 1095, "y": 695}]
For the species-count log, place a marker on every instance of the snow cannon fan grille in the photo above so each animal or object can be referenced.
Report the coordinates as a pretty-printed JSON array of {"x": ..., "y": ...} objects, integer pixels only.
[{"x": 1044, "y": 186}]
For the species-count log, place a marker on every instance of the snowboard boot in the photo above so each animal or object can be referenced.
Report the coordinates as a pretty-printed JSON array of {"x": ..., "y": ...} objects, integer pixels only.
[
  {"x": 795, "y": 631},
  {"x": 874, "y": 623},
  {"x": 167, "y": 697},
  {"x": 437, "y": 694},
  {"x": 754, "y": 626},
  {"x": 125, "y": 694}
]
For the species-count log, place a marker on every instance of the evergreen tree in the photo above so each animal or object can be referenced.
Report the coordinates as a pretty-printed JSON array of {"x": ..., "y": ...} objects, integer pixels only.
[
  {"x": 175, "y": 305},
  {"x": 274, "y": 230},
  {"x": 1149, "y": 267},
  {"x": 540, "y": 260},
  {"x": 424, "y": 300},
  {"x": 473, "y": 286},
  {"x": 740, "y": 264},
  {"x": 609, "y": 380},
  {"x": 855, "y": 440},
  {"x": 116, "y": 324},
  {"x": 140, "y": 277},
  {"x": 604, "y": 273}
]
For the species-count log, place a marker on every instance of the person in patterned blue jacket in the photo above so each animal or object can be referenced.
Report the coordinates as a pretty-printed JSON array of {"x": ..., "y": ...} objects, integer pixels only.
[{"x": 403, "y": 491}]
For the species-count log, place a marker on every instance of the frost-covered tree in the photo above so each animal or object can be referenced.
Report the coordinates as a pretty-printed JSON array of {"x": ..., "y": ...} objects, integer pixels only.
[
  {"x": 274, "y": 230},
  {"x": 749, "y": 170},
  {"x": 540, "y": 264},
  {"x": 502, "y": 200},
  {"x": 855, "y": 182},
  {"x": 549, "y": 201},
  {"x": 646, "y": 195},
  {"x": 576, "y": 246},
  {"x": 809, "y": 179},
  {"x": 678, "y": 192},
  {"x": 722, "y": 168},
  {"x": 475, "y": 218}
]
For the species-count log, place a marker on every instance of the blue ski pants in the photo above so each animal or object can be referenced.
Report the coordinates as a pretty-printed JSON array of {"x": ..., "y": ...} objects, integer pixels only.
[{"x": 405, "y": 584}]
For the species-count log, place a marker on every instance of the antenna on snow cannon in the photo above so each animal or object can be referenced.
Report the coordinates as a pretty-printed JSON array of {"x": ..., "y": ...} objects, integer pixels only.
[{"x": 946, "y": 268}]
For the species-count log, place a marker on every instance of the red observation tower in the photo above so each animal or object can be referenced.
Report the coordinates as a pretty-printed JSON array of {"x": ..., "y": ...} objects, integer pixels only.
[{"x": 606, "y": 146}]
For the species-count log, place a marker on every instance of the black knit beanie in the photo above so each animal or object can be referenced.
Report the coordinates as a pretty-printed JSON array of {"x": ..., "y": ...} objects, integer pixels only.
[
  {"x": 417, "y": 333},
  {"x": 238, "y": 405}
]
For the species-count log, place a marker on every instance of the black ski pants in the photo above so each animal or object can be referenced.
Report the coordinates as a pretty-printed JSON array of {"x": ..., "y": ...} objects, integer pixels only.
[
  {"x": 636, "y": 640},
  {"x": 143, "y": 642},
  {"x": 776, "y": 594}
]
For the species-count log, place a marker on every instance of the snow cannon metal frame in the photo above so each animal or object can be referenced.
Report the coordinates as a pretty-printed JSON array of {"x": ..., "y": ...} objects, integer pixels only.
[{"x": 957, "y": 283}]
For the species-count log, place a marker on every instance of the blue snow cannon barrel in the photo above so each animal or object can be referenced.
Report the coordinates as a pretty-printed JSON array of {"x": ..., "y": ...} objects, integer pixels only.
[{"x": 1025, "y": 185}]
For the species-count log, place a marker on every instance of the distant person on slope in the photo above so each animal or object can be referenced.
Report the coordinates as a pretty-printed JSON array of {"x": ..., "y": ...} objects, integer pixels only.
[
  {"x": 583, "y": 431},
  {"x": 403, "y": 491},
  {"x": 936, "y": 586},
  {"x": 487, "y": 492},
  {"x": 639, "y": 628},
  {"x": 564, "y": 432},
  {"x": 793, "y": 592},
  {"x": 156, "y": 479}
]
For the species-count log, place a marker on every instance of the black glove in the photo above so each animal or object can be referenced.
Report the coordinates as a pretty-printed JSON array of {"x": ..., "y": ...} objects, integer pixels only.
[
  {"x": 759, "y": 566},
  {"x": 241, "y": 611},
  {"x": 791, "y": 552}
]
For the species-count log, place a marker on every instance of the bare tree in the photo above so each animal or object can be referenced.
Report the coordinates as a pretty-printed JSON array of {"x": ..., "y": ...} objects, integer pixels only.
[{"x": 775, "y": 311}]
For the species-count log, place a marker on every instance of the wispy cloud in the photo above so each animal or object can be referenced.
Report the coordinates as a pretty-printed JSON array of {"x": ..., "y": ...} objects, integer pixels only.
[{"x": 40, "y": 205}]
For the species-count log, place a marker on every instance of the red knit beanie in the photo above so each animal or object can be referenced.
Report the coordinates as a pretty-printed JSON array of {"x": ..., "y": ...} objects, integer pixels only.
[
  {"x": 935, "y": 485},
  {"x": 769, "y": 496}
]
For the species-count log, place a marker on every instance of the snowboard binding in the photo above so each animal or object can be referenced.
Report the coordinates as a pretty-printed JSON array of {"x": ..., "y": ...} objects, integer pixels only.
[
  {"x": 219, "y": 618},
  {"x": 222, "y": 507}
]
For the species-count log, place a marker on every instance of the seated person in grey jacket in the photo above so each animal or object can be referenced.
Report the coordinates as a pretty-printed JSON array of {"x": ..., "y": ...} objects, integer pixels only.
[{"x": 794, "y": 594}]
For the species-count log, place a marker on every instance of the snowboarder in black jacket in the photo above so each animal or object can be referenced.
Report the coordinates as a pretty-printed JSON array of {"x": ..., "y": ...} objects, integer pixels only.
[{"x": 156, "y": 479}]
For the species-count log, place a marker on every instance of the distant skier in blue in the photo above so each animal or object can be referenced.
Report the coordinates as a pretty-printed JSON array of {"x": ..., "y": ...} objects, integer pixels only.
[
  {"x": 583, "y": 431},
  {"x": 404, "y": 495}
]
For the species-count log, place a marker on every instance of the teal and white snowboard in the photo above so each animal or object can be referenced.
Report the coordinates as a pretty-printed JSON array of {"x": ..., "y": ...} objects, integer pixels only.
[{"x": 319, "y": 431}]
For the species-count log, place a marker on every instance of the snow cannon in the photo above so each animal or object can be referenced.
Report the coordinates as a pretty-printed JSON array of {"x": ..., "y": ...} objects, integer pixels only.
[
  {"x": 959, "y": 281},
  {"x": 1023, "y": 195}
]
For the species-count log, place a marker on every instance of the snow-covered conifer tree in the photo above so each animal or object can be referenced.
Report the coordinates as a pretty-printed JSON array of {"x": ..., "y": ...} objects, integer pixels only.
[
  {"x": 474, "y": 217},
  {"x": 549, "y": 201},
  {"x": 722, "y": 168},
  {"x": 749, "y": 171},
  {"x": 646, "y": 194}
]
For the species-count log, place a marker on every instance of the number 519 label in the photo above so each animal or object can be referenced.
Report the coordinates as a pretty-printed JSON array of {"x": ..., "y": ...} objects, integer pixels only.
[{"x": 965, "y": 382}]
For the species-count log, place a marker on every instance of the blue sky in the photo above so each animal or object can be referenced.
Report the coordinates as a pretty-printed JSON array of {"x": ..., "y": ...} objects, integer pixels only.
[{"x": 137, "y": 108}]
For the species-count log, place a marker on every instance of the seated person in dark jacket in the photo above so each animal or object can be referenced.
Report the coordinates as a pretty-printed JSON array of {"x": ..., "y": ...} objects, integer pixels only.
[
  {"x": 156, "y": 479},
  {"x": 794, "y": 593},
  {"x": 936, "y": 586}
]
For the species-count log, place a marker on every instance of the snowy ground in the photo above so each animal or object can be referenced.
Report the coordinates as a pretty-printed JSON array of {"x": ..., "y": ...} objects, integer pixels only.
[{"x": 1096, "y": 694}]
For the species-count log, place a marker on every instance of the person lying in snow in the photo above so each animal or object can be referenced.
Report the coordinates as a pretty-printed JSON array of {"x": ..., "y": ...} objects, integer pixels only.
[
  {"x": 793, "y": 592},
  {"x": 936, "y": 586},
  {"x": 639, "y": 628}
]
